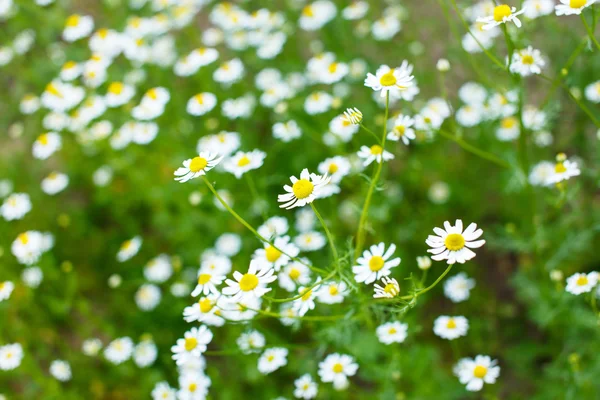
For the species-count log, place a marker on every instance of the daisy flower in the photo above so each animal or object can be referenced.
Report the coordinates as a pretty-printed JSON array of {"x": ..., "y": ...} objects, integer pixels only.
[
  {"x": 305, "y": 303},
  {"x": 10, "y": 356},
  {"x": 335, "y": 167},
  {"x": 392, "y": 80},
  {"x": 129, "y": 248},
  {"x": 272, "y": 359},
  {"x": 332, "y": 292},
  {"x": 292, "y": 275},
  {"x": 193, "y": 385},
  {"x": 392, "y": 332},
  {"x": 148, "y": 297},
  {"x": 582, "y": 283},
  {"x": 310, "y": 241},
  {"x": 201, "y": 103},
  {"x": 6, "y": 289},
  {"x": 502, "y": 15},
  {"x": 353, "y": 116},
  {"x": 252, "y": 284},
  {"x": 251, "y": 342},
  {"x": 572, "y": 7},
  {"x": 242, "y": 162},
  {"x": 61, "y": 370},
  {"x": 402, "y": 130},
  {"x": 192, "y": 345},
  {"x": 15, "y": 206},
  {"x": 77, "y": 27},
  {"x": 563, "y": 170},
  {"x": 303, "y": 191},
  {"x": 389, "y": 288},
  {"x": 162, "y": 391},
  {"x": 458, "y": 288},
  {"x": 305, "y": 387},
  {"x": 527, "y": 61},
  {"x": 197, "y": 166},
  {"x": 274, "y": 227},
  {"x": 336, "y": 368},
  {"x": 204, "y": 311},
  {"x": 46, "y": 145},
  {"x": 453, "y": 244},
  {"x": 208, "y": 280},
  {"x": 277, "y": 255},
  {"x": 374, "y": 153},
  {"x": 375, "y": 263},
  {"x": 592, "y": 92},
  {"x": 119, "y": 350},
  {"x": 475, "y": 372},
  {"x": 450, "y": 327}
]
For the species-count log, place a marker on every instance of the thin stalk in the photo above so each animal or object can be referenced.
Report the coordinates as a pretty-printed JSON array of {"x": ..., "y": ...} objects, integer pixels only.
[
  {"x": 510, "y": 46},
  {"x": 334, "y": 252},
  {"x": 314, "y": 285},
  {"x": 303, "y": 318},
  {"x": 474, "y": 150},
  {"x": 371, "y": 132},
  {"x": 590, "y": 31},
  {"x": 428, "y": 288}
]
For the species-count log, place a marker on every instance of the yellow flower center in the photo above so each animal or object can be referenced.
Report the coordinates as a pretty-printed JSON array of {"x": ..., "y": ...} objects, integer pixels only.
[
  {"x": 577, "y": 3},
  {"x": 103, "y": 33},
  {"x": 400, "y": 130},
  {"x": 451, "y": 324},
  {"x": 479, "y": 371},
  {"x": 527, "y": 59},
  {"x": 73, "y": 21},
  {"x": 24, "y": 238},
  {"x": 203, "y": 279},
  {"x": 338, "y": 368},
  {"x": 501, "y": 12},
  {"x": 392, "y": 331},
  {"x": 192, "y": 388},
  {"x": 388, "y": 79},
  {"x": 306, "y": 293},
  {"x": 303, "y": 188},
  {"x": 190, "y": 343},
  {"x": 454, "y": 241},
  {"x": 2, "y": 287},
  {"x": 376, "y": 263},
  {"x": 390, "y": 288},
  {"x": 115, "y": 88},
  {"x": 272, "y": 254},
  {"x": 508, "y": 122},
  {"x": 332, "y": 168},
  {"x": 248, "y": 282},
  {"x": 243, "y": 161},
  {"x": 333, "y": 290},
  {"x": 376, "y": 149},
  {"x": 333, "y": 67},
  {"x": 52, "y": 89},
  {"x": 308, "y": 11},
  {"x": 43, "y": 139},
  {"x": 69, "y": 65},
  {"x": 294, "y": 273},
  {"x": 205, "y": 305},
  {"x": 560, "y": 168},
  {"x": 582, "y": 281},
  {"x": 199, "y": 98},
  {"x": 198, "y": 164}
]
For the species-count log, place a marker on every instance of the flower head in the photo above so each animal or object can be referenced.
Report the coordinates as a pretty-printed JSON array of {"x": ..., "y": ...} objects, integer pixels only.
[
  {"x": 375, "y": 263},
  {"x": 392, "y": 80},
  {"x": 453, "y": 244},
  {"x": 303, "y": 191},
  {"x": 197, "y": 166},
  {"x": 502, "y": 14}
]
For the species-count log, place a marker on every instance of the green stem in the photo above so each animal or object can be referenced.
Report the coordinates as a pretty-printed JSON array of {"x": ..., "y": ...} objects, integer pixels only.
[
  {"x": 304, "y": 318},
  {"x": 590, "y": 31},
  {"x": 428, "y": 288},
  {"x": 314, "y": 285},
  {"x": 423, "y": 278},
  {"x": 360, "y": 234},
  {"x": 510, "y": 46},
  {"x": 371, "y": 132},
  {"x": 334, "y": 252},
  {"x": 251, "y": 229},
  {"x": 474, "y": 150}
]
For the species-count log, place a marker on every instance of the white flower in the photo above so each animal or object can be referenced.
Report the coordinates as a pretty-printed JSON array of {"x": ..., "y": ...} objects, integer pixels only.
[
  {"x": 390, "y": 80},
  {"x": 54, "y": 183},
  {"x": 563, "y": 170},
  {"x": 10, "y": 356},
  {"x": 286, "y": 131},
  {"x": 318, "y": 103},
  {"x": 77, "y": 27},
  {"x": 424, "y": 262},
  {"x": 148, "y": 297},
  {"x": 450, "y": 327},
  {"x": 197, "y": 166},
  {"x": 251, "y": 342},
  {"x": 592, "y": 92},
  {"x": 502, "y": 15},
  {"x": 306, "y": 302},
  {"x": 389, "y": 289},
  {"x": 527, "y": 61},
  {"x": 335, "y": 167},
  {"x": 201, "y": 104},
  {"x": 303, "y": 191},
  {"x": 337, "y": 368},
  {"x": 458, "y": 287},
  {"x": 91, "y": 347},
  {"x": 305, "y": 387},
  {"x": 278, "y": 255},
  {"x": 541, "y": 173},
  {"x": 537, "y": 8},
  {"x": 453, "y": 244},
  {"x": 193, "y": 385},
  {"x": 46, "y": 144},
  {"x": 228, "y": 244},
  {"x": 272, "y": 359},
  {"x": 32, "y": 276},
  {"x": 229, "y": 72},
  {"x": 29, "y": 246},
  {"x": 6, "y": 289},
  {"x": 353, "y": 116},
  {"x": 223, "y": 143},
  {"x": 242, "y": 162},
  {"x": 572, "y": 7},
  {"x": 582, "y": 283},
  {"x": 145, "y": 354},
  {"x": 61, "y": 370},
  {"x": 118, "y": 93},
  {"x": 332, "y": 292},
  {"x": 316, "y": 15},
  {"x": 129, "y": 248},
  {"x": 204, "y": 311},
  {"x": 392, "y": 332},
  {"x": 509, "y": 129},
  {"x": 252, "y": 284},
  {"x": 192, "y": 345},
  {"x": 292, "y": 275},
  {"x": 375, "y": 263},
  {"x": 15, "y": 206},
  {"x": 374, "y": 153},
  {"x": 310, "y": 241},
  {"x": 402, "y": 129},
  {"x": 162, "y": 391},
  {"x": 159, "y": 269},
  {"x": 475, "y": 372},
  {"x": 119, "y": 350}
]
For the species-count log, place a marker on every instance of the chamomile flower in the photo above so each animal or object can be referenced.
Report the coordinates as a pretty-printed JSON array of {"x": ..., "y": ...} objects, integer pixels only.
[
  {"x": 6, "y": 289},
  {"x": 229, "y": 72},
  {"x": 353, "y": 116},
  {"x": 342, "y": 129},
  {"x": 201, "y": 104},
  {"x": 242, "y": 162},
  {"x": 193, "y": 385},
  {"x": 252, "y": 284},
  {"x": 77, "y": 27},
  {"x": 458, "y": 287},
  {"x": 61, "y": 370},
  {"x": 527, "y": 61},
  {"x": 303, "y": 191},
  {"x": 592, "y": 92},
  {"x": 208, "y": 280},
  {"x": 355, "y": 10},
  {"x": 11, "y": 356},
  {"x": 305, "y": 387},
  {"x": 46, "y": 145},
  {"x": 450, "y": 327},
  {"x": 537, "y": 8},
  {"x": 272, "y": 359},
  {"x": 564, "y": 169},
  {"x": 286, "y": 131},
  {"x": 204, "y": 311},
  {"x": 392, "y": 332},
  {"x": 118, "y": 93},
  {"x": 310, "y": 241},
  {"x": 541, "y": 173},
  {"x": 54, "y": 183},
  {"x": 32, "y": 276},
  {"x": 317, "y": 14},
  {"x": 572, "y": 7},
  {"x": 274, "y": 227},
  {"x": 582, "y": 283},
  {"x": 197, "y": 166},
  {"x": 251, "y": 342},
  {"x": 336, "y": 368},
  {"x": 475, "y": 372},
  {"x": 307, "y": 300},
  {"x": 335, "y": 167},
  {"x": 374, "y": 153},
  {"x": 388, "y": 289},
  {"x": 15, "y": 206},
  {"x": 292, "y": 275},
  {"x": 129, "y": 248},
  {"x": 454, "y": 244},
  {"x": 29, "y": 246},
  {"x": 162, "y": 391},
  {"x": 375, "y": 263},
  {"x": 119, "y": 350},
  {"x": 148, "y": 297},
  {"x": 192, "y": 345},
  {"x": 277, "y": 255},
  {"x": 502, "y": 14},
  {"x": 91, "y": 347},
  {"x": 389, "y": 80},
  {"x": 402, "y": 129},
  {"x": 332, "y": 292},
  {"x": 318, "y": 103},
  {"x": 424, "y": 262},
  {"x": 159, "y": 269}
]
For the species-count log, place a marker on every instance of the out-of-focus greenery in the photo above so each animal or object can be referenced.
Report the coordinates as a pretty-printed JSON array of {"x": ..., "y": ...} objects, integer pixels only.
[{"x": 546, "y": 340}]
